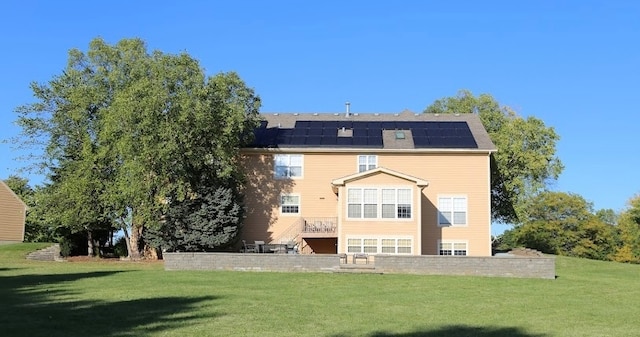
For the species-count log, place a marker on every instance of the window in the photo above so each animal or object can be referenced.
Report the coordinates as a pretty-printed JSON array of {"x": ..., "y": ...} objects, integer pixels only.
[
  {"x": 455, "y": 248},
  {"x": 354, "y": 245},
  {"x": 288, "y": 165},
  {"x": 452, "y": 211},
  {"x": 367, "y": 162},
  {"x": 290, "y": 204},
  {"x": 386, "y": 245},
  {"x": 375, "y": 203}
]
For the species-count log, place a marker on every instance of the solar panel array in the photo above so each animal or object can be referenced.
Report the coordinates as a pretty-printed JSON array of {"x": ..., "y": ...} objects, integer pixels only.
[{"x": 430, "y": 134}]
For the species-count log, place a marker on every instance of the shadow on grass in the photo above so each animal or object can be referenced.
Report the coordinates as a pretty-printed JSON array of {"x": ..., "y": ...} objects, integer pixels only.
[
  {"x": 45, "y": 305},
  {"x": 460, "y": 331}
]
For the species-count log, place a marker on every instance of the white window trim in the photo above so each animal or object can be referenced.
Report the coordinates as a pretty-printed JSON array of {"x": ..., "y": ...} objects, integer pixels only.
[
  {"x": 453, "y": 196},
  {"x": 367, "y": 156},
  {"x": 379, "y": 244},
  {"x": 299, "y": 204},
  {"x": 452, "y": 242},
  {"x": 379, "y": 203},
  {"x": 275, "y": 161}
]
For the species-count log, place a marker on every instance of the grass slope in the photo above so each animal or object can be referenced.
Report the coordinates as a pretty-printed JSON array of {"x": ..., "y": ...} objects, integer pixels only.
[{"x": 589, "y": 298}]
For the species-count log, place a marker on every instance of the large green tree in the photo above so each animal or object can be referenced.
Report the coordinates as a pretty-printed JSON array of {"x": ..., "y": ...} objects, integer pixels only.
[
  {"x": 629, "y": 231},
  {"x": 564, "y": 224},
  {"x": 526, "y": 158},
  {"x": 129, "y": 133}
]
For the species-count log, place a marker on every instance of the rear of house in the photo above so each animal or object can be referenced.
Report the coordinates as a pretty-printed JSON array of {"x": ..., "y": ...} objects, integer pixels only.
[
  {"x": 12, "y": 215},
  {"x": 413, "y": 184}
]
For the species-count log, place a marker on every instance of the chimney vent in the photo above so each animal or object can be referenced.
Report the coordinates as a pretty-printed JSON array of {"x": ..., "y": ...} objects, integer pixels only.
[{"x": 348, "y": 107}]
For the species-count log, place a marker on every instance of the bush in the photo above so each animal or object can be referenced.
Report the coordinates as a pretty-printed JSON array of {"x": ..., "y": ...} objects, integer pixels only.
[
  {"x": 73, "y": 244},
  {"x": 120, "y": 247}
]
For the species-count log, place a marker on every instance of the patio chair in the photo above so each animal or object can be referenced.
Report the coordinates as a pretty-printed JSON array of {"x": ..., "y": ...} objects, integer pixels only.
[
  {"x": 248, "y": 247},
  {"x": 259, "y": 246}
]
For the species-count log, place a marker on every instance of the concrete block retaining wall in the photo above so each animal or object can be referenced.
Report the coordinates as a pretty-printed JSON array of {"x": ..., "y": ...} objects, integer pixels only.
[
  {"x": 251, "y": 262},
  {"x": 508, "y": 266}
]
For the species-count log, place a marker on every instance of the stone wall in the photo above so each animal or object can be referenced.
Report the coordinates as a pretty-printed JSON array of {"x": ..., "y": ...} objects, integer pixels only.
[
  {"x": 504, "y": 266},
  {"x": 251, "y": 262}
]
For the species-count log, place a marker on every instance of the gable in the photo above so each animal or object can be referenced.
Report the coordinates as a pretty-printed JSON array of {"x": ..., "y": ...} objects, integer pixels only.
[
  {"x": 8, "y": 196},
  {"x": 380, "y": 175}
]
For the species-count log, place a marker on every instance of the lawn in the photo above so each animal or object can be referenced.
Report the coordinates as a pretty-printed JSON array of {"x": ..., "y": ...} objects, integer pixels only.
[{"x": 589, "y": 298}]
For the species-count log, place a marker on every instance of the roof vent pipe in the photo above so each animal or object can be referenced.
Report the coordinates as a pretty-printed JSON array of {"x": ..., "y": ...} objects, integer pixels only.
[{"x": 348, "y": 107}]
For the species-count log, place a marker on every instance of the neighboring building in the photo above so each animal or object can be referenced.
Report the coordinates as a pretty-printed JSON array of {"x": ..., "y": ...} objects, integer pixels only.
[
  {"x": 12, "y": 215},
  {"x": 416, "y": 184}
]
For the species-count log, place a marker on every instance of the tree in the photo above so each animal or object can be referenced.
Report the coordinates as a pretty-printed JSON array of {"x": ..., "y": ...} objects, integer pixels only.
[
  {"x": 564, "y": 224},
  {"x": 129, "y": 133},
  {"x": 629, "y": 231},
  {"x": 209, "y": 221},
  {"x": 525, "y": 160}
]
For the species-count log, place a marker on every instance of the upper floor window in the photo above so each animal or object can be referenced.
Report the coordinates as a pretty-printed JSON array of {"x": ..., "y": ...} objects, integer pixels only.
[
  {"x": 288, "y": 165},
  {"x": 452, "y": 211},
  {"x": 367, "y": 162},
  {"x": 376, "y": 203},
  {"x": 290, "y": 204}
]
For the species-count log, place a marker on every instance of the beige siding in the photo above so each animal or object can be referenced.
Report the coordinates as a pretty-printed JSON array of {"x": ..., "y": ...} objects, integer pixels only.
[
  {"x": 448, "y": 174},
  {"x": 12, "y": 215}
]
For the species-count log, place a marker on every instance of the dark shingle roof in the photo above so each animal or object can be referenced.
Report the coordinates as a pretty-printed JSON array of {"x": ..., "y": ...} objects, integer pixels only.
[{"x": 371, "y": 131}]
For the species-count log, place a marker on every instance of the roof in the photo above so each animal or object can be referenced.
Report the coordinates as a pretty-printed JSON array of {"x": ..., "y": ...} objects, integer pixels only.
[
  {"x": 400, "y": 131},
  {"x": 356, "y": 176}
]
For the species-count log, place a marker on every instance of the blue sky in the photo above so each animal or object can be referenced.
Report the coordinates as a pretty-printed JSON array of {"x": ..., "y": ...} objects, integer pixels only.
[{"x": 573, "y": 64}]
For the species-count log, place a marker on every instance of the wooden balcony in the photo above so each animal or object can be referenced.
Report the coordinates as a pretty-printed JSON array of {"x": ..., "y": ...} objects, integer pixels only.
[{"x": 320, "y": 228}]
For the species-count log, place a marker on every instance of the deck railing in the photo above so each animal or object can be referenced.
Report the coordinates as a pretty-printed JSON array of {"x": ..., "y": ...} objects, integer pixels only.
[{"x": 320, "y": 225}]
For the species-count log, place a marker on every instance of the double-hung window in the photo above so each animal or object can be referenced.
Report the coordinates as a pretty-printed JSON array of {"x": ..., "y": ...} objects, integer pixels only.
[
  {"x": 367, "y": 162},
  {"x": 379, "y": 203},
  {"x": 288, "y": 165},
  {"x": 452, "y": 211},
  {"x": 396, "y": 203},
  {"x": 290, "y": 204}
]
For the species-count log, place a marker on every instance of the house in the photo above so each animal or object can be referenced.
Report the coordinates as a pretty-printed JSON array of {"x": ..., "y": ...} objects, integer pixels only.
[
  {"x": 12, "y": 215},
  {"x": 405, "y": 183}
]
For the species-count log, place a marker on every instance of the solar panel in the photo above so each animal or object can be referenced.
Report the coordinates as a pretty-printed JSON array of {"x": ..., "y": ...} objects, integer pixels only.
[
  {"x": 302, "y": 124},
  {"x": 375, "y": 141},
  {"x": 360, "y": 141},
  {"x": 329, "y": 140},
  {"x": 314, "y": 140},
  {"x": 359, "y": 132},
  {"x": 388, "y": 125},
  {"x": 330, "y": 124},
  {"x": 421, "y": 141},
  {"x": 298, "y": 140},
  {"x": 315, "y": 124},
  {"x": 426, "y": 134},
  {"x": 344, "y": 141},
  {"x": 300, "y": 131},
  {"x": 345, "y": 124}
]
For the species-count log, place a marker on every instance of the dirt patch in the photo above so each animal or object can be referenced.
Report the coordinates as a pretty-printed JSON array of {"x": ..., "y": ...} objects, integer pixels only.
[{"x": 90, "y": 259}]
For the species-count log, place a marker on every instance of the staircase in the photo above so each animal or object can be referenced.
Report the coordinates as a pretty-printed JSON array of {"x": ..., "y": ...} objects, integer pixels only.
[
  {"x": 51, "y": 253},
  {"x": 357, "y": 269}
]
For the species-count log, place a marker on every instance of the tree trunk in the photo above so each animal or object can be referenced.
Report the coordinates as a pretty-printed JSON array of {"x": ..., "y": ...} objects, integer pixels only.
[
  {"x": 90, "y": 248},
  {"x": 136, "y": 233}
]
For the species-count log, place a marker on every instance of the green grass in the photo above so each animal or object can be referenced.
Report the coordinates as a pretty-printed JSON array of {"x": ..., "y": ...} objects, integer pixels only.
[{"x": 589, "y": 298}]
